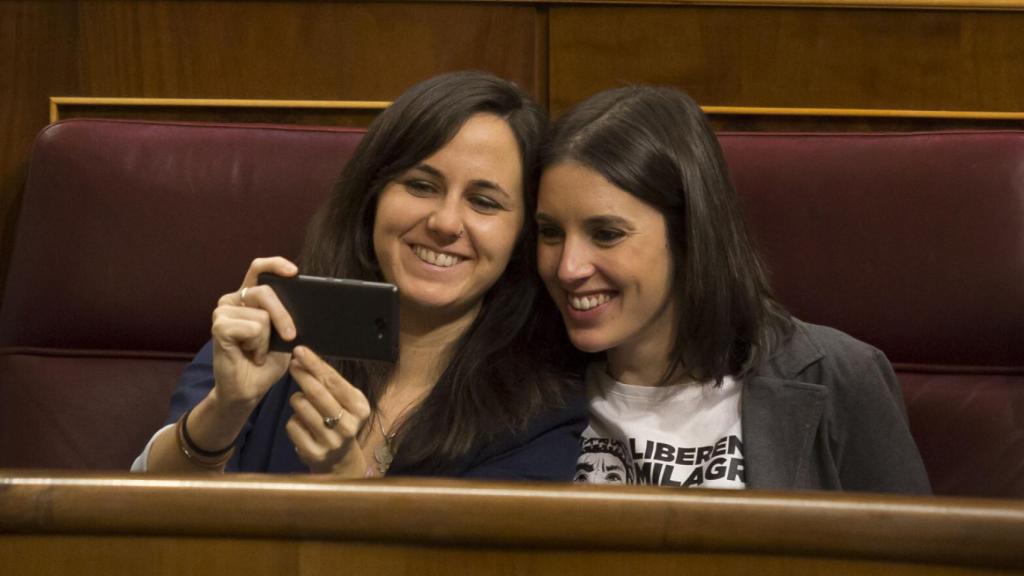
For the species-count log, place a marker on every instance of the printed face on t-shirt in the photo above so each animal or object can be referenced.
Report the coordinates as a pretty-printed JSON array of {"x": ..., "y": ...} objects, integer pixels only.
[{"x": 600, "y": 468}]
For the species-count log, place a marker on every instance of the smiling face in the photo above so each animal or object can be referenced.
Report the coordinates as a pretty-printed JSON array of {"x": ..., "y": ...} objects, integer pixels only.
[
  {"x": 445, "y": 229},
  {"x": 605, "y": 259}
]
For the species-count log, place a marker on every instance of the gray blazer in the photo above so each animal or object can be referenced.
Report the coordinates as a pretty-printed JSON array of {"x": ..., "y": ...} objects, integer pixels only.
[{"x": 826, "y": 412}]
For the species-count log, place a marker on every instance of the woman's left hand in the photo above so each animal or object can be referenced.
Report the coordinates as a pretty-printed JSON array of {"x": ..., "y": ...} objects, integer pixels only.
[{"x": 328, "y": 414}]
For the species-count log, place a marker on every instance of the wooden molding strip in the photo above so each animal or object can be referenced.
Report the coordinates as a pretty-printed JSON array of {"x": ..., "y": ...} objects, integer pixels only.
[
  {"x": 860, "y": 113},
  {"x": 57, "y": 101},
  {"x": 987, "y": 5}
]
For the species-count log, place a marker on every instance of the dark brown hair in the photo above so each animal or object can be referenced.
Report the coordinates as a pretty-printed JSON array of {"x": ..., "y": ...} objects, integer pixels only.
[
  {"x": 498, "y": 375},
  {"x": 656, "y": 144}
]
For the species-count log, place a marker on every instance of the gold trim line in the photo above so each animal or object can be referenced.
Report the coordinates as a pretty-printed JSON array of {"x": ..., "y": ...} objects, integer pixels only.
[
  {"x": 980, "y": 5},
  {"x": 57, "y": 101},
  {"x": 861, "y": 113}
]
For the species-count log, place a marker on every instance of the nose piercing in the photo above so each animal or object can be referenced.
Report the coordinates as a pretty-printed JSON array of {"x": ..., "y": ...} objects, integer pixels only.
[{"x": 459, "y": 235}]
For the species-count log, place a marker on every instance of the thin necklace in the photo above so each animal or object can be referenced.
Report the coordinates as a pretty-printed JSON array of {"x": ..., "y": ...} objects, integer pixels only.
[{"x": 383, "y": 454}]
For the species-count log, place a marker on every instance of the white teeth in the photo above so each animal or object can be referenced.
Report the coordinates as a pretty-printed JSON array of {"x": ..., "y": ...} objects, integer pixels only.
[
  {"x": 588, "y": 302},
  {"x": 436, "y": 258}
]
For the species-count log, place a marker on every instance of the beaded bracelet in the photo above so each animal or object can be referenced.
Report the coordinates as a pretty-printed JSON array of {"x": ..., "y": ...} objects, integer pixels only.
[{"x": 196, "y": 455}]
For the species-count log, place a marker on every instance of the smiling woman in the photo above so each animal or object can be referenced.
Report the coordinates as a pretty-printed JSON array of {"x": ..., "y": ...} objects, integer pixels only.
[
  {"x": 445, "y": 229},
  {"x": 434, "y": 201},
  {"x": 617, "y": 295},
  {"x": 703, "y": 379}
]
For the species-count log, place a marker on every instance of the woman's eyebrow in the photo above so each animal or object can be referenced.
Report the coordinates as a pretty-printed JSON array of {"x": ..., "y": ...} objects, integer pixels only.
[
  {"x": 477, "y": 183},
  {"x": 608, "y": 220},
  {"x": 424, "y": 167},
  {"x": 491, "y": 185}
]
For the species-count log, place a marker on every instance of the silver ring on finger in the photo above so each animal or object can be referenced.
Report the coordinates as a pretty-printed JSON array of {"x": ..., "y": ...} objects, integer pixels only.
[
  {"x": 241, "y": 295},
  {"x": 332, "y": 421}
]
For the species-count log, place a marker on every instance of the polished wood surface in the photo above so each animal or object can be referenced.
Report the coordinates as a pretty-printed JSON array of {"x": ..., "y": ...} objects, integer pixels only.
[
  {"x": 904, "y": 56},
  {"x": 62, "y": 103},
  {"x": 36, "y": 61},
  {"x": 1006, "y": 5},
  {"x": 540, "y": 528},
  {"x": 353, "y": 113},
  {"x": 305, "y": 50},
  {"x": 791, "y": 57},
  {"x": 862, "y": 113},
  {"x": 761, "y": 119},
  {"x": 172, "y": 556},
  {"x": 296, "y": 50}
]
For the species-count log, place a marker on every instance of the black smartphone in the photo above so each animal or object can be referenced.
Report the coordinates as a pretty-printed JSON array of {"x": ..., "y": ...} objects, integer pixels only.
[{"x": 338, "y": 318}]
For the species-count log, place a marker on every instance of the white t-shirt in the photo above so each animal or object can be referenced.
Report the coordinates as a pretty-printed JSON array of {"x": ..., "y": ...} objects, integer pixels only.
[{"x": 685, "y": 434}]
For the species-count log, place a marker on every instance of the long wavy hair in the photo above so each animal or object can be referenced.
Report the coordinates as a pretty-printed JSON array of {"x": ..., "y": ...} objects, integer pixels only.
[
  {"x": 656, "y": 144},
  {"x": 500, "y": 369}
]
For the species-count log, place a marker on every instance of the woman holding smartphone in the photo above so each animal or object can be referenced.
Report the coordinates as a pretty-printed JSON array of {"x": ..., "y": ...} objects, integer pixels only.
[
  {"x": 700, "y": 377},
  {"x": 435, "y": 200}
]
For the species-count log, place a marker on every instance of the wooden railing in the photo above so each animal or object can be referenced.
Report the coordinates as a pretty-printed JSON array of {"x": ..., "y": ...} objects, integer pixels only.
[{"x": 253, "y": 524}]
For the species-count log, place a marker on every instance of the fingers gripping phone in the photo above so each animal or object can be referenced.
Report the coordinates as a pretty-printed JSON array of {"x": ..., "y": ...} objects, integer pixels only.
[{"x": 339, "y": 318}]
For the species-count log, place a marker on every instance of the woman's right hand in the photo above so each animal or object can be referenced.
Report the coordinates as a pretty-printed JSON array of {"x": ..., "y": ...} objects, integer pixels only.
[{"x": 243, "y": 367}]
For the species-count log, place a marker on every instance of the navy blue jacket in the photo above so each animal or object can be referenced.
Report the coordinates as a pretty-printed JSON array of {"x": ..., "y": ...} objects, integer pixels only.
[{"x": 546, "y": 450}]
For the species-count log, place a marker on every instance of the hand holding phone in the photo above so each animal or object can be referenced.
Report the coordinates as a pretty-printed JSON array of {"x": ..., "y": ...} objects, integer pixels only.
[{"x": 337, "y": 317}]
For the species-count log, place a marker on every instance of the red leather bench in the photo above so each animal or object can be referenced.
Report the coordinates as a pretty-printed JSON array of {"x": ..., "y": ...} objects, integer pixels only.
[
  {"x": 914, "y": 243},
  {"x": 130, "y": 231}
]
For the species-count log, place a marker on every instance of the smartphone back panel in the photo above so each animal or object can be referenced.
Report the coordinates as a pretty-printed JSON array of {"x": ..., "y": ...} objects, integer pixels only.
[{"x": 337, "y": 317}]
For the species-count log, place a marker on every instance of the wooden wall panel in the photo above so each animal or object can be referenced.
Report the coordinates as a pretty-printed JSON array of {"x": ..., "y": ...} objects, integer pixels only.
[
  {"x": 764, "y": 123},
  {"x": 777, "y": 56},
  {"x": 793, "y": 57},
  {"x": 326, "y": 116},
  {"x": 304, "y": 50},
  {"x": 170, "y": 556},
  {"x": 308, "y": 50},
  {"x": 37, "y": 42}
]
